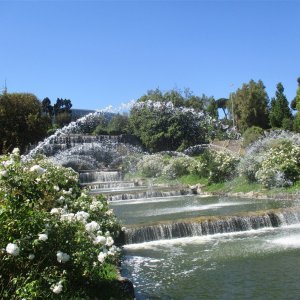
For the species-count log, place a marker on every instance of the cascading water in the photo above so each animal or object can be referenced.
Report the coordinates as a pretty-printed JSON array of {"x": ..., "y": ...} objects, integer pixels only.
[
  {"x": 207, "y": 227},
  {"x": 71, "y": 147},
  {"x": 180, "y": 246}
]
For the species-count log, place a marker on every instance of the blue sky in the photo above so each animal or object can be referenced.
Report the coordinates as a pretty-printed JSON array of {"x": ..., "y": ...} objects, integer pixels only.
[{"x": 100, "y": 53}]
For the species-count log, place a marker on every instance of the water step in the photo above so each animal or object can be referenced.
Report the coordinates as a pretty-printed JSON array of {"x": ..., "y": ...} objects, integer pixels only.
[
  {"x": 211, "y": 226},
  {"x": 109, "y": 184},
  {"x": 99, "y": 176},
  {"x": 147, "y": 194}
]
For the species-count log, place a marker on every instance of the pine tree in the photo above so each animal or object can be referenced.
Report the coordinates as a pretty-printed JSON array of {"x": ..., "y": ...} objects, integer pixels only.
[{"x": 279, "y": 108}]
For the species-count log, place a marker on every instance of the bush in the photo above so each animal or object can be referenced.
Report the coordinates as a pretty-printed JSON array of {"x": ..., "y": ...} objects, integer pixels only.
[
  {"x": 177, "y": 166},
  {"x": 251, "y": 135},
  {"x": 222, "y": 166},
  {"x": 151, "y": 165},
  {"x": 57, "y": 241},
  {"x": 281, "y": 166}
]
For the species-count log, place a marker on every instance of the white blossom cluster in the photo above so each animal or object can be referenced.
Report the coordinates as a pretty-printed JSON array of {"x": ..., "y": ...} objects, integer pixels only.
[
  {"x": 151, "y": 165},
  {"x": 94, "y": 223}
]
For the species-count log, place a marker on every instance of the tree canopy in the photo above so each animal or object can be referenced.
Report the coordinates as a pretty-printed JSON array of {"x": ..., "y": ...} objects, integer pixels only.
[
  {"x": 250, "y": 106},
  {"x": 279, "y": 108},
  {"x": 21, "y": 121}
]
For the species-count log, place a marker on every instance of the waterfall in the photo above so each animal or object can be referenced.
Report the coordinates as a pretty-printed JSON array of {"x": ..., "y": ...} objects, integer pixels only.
[
  {"x": 88, "y": 177},
  {"x": 211, "y": 226},
  {"x": 148, "y": 194}
]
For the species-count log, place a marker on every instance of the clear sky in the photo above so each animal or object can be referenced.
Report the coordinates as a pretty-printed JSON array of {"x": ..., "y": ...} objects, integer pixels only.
[{"x": 100, "y": 53}]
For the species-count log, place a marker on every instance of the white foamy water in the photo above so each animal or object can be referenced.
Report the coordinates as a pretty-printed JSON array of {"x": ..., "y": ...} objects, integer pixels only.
[
  {"x": 175, "y": 210},
  {"x": 148, "y": 200},
  {"x": 292, "y": 241},
  {"x": 284, "y": 241}
]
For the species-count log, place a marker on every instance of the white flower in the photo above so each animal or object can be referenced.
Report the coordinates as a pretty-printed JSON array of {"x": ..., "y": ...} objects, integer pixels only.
[
  {"x": 109, "y": 241},
  {"x": 92, "y": 226},
  {"x": 82, "y": 216},
  {"x": 67, "y": 217},
  {"x": 43, "y": 237},
  {"x": 12, "y": 249},
  {"x": 38, "y": 169},
  {"x": 57, "y": 288},
  {"x": 99, "y": 240},
  {"x": 69, "y": 192},
  {"x": 113, "y": 250},
  {"x": 109, "y": 212},
  {"x": 7, "y": 163},
  {"x": 123, "y": 228},
  {"x": 96, "y": 205},
  {"x": 56, "y": 188},
  {"x": 62, "y": 257},
  {"x": 16, "y": 151},
  {"x": 101, "y": 257},
  {"x": 31, "y": 256},
  {"x": 55, "y": 211},
  {"x": 61, "y": 199},
  {"x": 3, "y": 174}
]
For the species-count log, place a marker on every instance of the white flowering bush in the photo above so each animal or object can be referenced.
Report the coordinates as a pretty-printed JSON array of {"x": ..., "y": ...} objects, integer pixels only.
[
  {"x": 151, "y": 165},
  {"x": 56, "y": 241},
  {"x": 177, "y": 166},
  {"x": 221, "y": 166},
  {"x": 280, "y": 166}
]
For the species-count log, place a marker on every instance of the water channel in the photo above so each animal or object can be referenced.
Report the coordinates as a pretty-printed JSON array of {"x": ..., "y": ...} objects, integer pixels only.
[{"x": 259, "y": 263}]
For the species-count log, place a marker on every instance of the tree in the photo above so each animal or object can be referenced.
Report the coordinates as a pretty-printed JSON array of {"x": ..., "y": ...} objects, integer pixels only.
[
  {"x": 279, "y": 108},
  {"x": 296, "y": 103},
  {"x": 62, "y": 111},
  {"x": 62, "y": 105},
  {"x": 161, "y": 126},
  {"x": 47, "y": 108},
  {"x": 222, "y": 104},
  {"x": 21, "y": 121},
  {"x": 250, "y": 104},
  {"x": 212, "y": 108},
  {"x": 118, "y": 124}
]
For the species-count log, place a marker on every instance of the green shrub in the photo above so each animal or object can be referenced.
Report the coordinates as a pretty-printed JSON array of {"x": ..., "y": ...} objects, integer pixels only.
[
  {"x": 177, "y": 166},
  {"x": 251, "y": 135}
]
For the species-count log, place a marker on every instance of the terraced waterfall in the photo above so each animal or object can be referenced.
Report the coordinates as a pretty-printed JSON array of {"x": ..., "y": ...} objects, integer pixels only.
[{"x": 184, "y": 246}]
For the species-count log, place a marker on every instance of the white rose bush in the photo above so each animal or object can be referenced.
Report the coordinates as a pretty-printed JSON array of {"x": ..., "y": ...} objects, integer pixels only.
[{"x": 56, "y": 240}]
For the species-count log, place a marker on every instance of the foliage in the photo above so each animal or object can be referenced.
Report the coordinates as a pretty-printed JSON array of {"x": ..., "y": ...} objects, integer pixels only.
[
  {"x": 21, "y": 121},
  {"x": 177, "y": 167},
  {"x": 222, "y": 166},
  {"x": 213, "y": 165},
  {"x": 297, "y": 104},
  {"x": 151, "y": 165},
  {"x": 251, "y": 135},
  {"x": 281, "y": 166},
  {"x": 279, "y": 108},
  {"x": 56, "y": 240},
  {"x": 162, "y": 126},
  {"x": 62, "y": 119},
  {"x": 117, "y": 124},
  {"x": 250, "y": 106},
  {"x": 273, "y": 160}
]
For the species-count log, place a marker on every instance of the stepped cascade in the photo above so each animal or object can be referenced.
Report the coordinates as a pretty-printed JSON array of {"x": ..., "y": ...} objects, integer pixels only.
[
  {"x": 207, "y": 227},
  {"x": 178, "y": 245}
]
